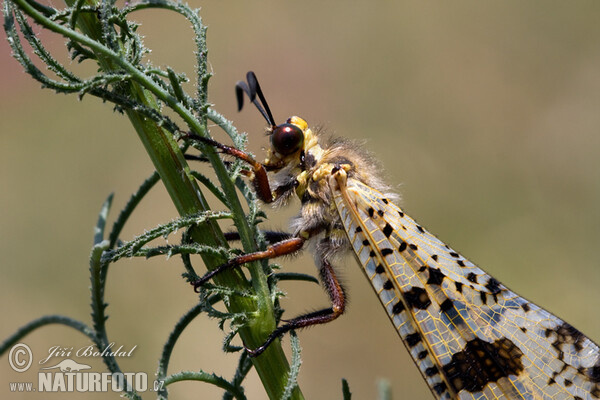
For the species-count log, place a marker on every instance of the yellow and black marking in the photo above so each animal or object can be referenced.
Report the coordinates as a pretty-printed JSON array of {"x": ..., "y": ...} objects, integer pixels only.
[{"x": 469, "y": 335}]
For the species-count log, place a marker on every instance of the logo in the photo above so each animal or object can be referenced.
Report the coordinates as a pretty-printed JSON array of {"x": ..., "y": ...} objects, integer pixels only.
[
  {"x": 69, "y": 365},
  {"x": 68, "y": 375},
  {"x": 20, "y": 357}
]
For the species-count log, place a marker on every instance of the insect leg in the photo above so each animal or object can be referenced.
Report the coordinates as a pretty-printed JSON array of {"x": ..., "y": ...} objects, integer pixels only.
[
  {"x": 201, "y": 158},
  {"x": 271, "y": 237},
  {"x": 282, "y": 248},
  {"x": 338, "y": 304},
  {"x": 259, "y": 180}
]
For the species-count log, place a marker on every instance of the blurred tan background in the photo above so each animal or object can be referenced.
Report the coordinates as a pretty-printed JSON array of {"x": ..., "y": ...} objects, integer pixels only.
[{"x": 486, "y": 118}]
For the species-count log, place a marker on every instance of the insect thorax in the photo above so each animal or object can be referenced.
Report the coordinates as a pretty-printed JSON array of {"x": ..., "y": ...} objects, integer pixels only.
[{"x": 306, "y": 174}]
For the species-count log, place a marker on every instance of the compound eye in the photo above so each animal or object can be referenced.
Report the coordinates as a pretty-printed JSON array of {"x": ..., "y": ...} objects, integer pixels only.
[{"x": 287, "y": 139}]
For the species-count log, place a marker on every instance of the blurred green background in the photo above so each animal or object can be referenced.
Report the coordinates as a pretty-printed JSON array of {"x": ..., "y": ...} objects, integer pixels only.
[{"x": 485, "y": 116}]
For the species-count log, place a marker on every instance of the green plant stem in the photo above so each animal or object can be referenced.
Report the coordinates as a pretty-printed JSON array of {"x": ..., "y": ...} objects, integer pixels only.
[
  {"x": 170, "y": 164},
  {"x": 42, "y": 321}
]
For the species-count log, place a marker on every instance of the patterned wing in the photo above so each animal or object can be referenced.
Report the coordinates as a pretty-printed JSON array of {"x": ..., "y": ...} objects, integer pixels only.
[{"x": 470, "y": 336}]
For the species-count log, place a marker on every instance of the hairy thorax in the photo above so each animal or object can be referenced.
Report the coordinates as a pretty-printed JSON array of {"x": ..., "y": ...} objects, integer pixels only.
[{"x": 306, "y": 175}]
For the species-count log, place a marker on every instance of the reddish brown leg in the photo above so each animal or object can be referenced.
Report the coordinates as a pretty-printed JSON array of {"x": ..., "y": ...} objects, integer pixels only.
[
  {"x": 338, "y": 304},
  {"x": 282, "y": 248},
  {"x": 290, "y": 245},
  {"x": 260, "y": 179}
]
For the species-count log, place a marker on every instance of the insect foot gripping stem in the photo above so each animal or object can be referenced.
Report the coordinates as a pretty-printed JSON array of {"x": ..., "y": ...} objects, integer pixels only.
[{"x": 337, "y": 296}]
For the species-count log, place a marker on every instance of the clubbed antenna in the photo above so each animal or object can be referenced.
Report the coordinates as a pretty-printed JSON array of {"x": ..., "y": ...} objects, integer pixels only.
[{"x": 252, "y": 88}]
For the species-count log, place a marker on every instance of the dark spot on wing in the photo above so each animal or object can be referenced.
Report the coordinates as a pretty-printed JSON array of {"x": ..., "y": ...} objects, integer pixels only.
[
  {"x": 417, "y": 297},
  {"x": 386, "y": 252},
  {"x": 454, "y": 254},
  {"x": 493, "y": 286},
  {"x": 380, "y": 213},
  {"x": 402, "y": 246},
  {"x": 388, "y": 285},
  {"x": 413, "y": 339},
  {"x": 481, "y": 363},
  {"x": 371, "y": 212},
  {"x": 566, "y": 334},
  {"x": 387, "y": 230},
  {"x": 358, "y": 229},
  {"x": 440, "y": 387},
  {"x": 446, "y": 305},
  {"x": 398, "y": 308},
  {"x": 449, "y": 311},
  {"x": 420, "y": 228},
  {"x": 435, "y": 276},
  {"x": 472, "y": 277},
  {"x": 459, "y": 286},
  {"x": 594, "y": 373},
  {"x": 434, "y": 257},
  {"x": 401, "y": 214},
  {"x": 365, "y": 242},
  {"x": 483, "y": 297},
  {"x": 413, "y": 246},
  {"x": 379, "y": 269}
]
